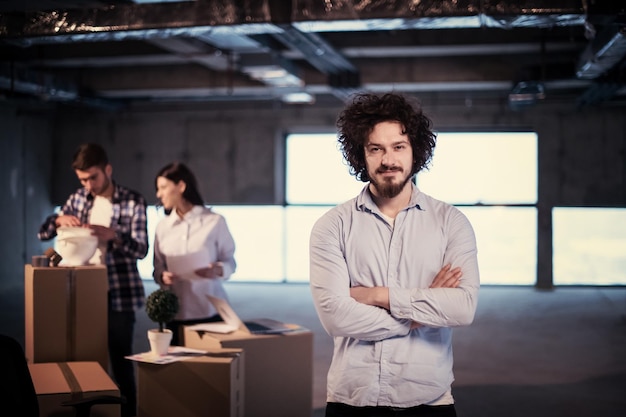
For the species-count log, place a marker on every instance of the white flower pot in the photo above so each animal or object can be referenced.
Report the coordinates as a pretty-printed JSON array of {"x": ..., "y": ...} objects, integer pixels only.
[{"x": 159, "y": 341}]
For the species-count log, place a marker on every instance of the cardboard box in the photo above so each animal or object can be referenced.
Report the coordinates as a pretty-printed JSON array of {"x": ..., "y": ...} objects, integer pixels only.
[
  {"x": 56, "y": 383},
  {"x": 66, "y": 314},
  {"x": 278, "y": 371},
  {"x": 194, "y": 387}
]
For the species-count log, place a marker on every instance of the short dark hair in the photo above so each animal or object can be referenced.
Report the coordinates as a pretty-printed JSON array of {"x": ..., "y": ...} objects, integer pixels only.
[
  {"x": 177, "y": 172},
  {"x": 89, "y": 155},
  {"x": 358, "y": 119}
]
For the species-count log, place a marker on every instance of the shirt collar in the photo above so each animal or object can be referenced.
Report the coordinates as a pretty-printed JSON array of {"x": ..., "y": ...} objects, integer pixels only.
[
  {"x": 364, "y": 200},
  {"x": 192, "y": 214}
]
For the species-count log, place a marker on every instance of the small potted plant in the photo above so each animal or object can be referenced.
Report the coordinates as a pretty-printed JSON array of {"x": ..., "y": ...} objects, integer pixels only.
[{"x": 161, "y": 307}]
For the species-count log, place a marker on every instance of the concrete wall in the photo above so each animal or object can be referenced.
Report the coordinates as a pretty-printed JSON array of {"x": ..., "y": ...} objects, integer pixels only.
[{"x": 236, "y": 152}]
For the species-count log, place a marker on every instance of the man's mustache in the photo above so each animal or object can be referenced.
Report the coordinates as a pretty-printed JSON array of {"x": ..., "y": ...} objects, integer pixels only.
[{"x": 384, "y": 169}]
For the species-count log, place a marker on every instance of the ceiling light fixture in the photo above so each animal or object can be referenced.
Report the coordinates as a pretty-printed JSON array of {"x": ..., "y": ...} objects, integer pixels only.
[{"x": 298, "y": 98}]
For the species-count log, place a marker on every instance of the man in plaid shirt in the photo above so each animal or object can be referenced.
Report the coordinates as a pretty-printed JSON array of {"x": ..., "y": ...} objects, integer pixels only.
[{"x": 117, "y": 216}]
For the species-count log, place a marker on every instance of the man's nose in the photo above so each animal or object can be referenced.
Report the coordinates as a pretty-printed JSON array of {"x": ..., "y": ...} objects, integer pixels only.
[{"x": 387, "y": 159}]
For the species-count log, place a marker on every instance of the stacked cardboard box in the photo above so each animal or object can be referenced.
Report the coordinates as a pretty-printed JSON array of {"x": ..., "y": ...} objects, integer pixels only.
[
  {"x": 207, "y": 385},
  {"x": 57, "y": 383},
  {"x": 278, "y": 370},
  {"x": 66, "y": 314}
]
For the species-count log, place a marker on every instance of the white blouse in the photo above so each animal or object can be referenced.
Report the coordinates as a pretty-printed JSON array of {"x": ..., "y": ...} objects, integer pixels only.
[{"x": 200, "y": 232}]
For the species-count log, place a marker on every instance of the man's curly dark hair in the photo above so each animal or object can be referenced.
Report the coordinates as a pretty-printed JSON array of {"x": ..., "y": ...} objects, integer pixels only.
[{"x": 358, "y": 119}]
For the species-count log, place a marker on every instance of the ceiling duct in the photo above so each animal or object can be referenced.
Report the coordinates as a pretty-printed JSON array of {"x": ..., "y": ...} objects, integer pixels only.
[
  {"x": 237, "y": 26},
  {"x": 137, "y": 21},
  {"x": 190, "y": 18},
  {"x": 17, "y": 80},
  {"x": 605, "y": 51},
  {"x": 341, "y": 15},
  {"x": 343, "y": 77}
]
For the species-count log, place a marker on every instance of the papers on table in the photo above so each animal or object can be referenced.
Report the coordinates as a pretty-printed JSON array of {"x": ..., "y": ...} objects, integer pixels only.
[{"x": 174, "y": 353}]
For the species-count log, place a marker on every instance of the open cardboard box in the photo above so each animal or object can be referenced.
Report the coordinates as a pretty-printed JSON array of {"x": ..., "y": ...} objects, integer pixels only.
[
  {"x": 278, "y": 370},
  {"x": 56, "y": 383},
  {"x": 210, "y": 385},
  {"x": 65, "y": 311}
]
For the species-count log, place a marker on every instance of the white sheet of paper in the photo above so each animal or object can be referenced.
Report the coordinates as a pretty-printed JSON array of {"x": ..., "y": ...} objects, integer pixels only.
[{"x": 185, "y": 265}]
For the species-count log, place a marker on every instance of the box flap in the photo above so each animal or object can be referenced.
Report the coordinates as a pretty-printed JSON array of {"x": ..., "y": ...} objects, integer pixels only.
[
  {"x": 92, "y": 377},
  {"x": 48, "y": 378},
  {"x": 70, "y": 377}
]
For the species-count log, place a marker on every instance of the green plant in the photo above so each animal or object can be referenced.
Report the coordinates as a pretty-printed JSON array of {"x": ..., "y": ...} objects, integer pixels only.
[{"x": 161, "y": 307}]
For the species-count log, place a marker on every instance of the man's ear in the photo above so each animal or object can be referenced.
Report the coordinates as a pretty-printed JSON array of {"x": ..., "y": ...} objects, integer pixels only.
[{"x": 108, "y": 170}]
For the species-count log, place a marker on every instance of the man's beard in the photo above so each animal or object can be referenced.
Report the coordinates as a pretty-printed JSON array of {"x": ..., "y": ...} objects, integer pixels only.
[
  {"x": 389, "y": 189},
  {"x": 103, "y": 189}
]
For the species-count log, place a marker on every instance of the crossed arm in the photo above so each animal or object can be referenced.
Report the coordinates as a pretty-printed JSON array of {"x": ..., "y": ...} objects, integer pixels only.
[{"x": 447, "y": 277}]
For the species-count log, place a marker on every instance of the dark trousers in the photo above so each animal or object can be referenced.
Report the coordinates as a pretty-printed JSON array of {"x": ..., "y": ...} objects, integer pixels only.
[
  {"x": 177, "y": 327},
  {"x": 121, "y": 333},
  {"x": 343, "y": 410}
]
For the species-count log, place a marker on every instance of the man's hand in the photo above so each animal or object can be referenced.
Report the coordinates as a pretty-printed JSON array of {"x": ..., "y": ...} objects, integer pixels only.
[
  {"x": 104, "y": 234},
  {"x": 447, "y": 277},
  {"x": 214, "y": 270},
  {"x": 67, "y": 221},
  {"x": 374, "y": 296}
]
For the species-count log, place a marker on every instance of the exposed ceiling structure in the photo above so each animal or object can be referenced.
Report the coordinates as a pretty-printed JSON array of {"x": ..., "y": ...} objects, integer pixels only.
[{"x": 113, "y": 54}]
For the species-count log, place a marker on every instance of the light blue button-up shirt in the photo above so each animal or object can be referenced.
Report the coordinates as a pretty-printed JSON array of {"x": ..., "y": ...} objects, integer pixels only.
[{"x": 378, "y": 360}]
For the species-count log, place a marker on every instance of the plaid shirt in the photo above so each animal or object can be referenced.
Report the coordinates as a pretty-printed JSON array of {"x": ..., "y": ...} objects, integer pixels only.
[{"x": 126, "y": 291}]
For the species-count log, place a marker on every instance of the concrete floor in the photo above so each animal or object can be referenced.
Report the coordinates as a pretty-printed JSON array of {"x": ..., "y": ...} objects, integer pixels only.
[{"x": 528, "y": 353}]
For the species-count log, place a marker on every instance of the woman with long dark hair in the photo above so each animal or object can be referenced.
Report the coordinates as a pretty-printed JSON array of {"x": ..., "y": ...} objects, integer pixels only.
[{"x": 191, "y": 233}]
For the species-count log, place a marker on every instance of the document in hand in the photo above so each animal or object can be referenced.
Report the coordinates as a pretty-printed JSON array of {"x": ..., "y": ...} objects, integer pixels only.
[
  {"x": 232, "y": 322},
  {"x": 185, "y": 265}
]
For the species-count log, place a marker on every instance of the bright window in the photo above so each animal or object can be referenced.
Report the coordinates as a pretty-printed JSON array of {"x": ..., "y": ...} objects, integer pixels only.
[
  {"x": 258, "y": 232},
  {"x": 506, "y": 238},
  {"x": 316, "y": 172},
  {"x": 589, "y": 246},
  {"x": 483, "y": 168},
  {"x": 145, "y": 265}
]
